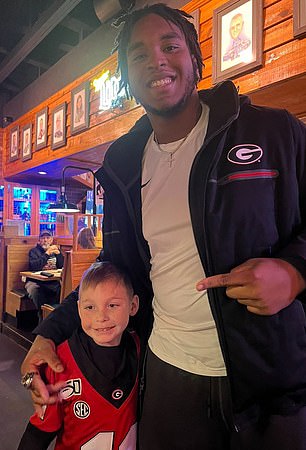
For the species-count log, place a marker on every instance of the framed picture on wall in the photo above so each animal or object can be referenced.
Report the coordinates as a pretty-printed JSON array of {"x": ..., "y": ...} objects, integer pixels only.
[
  {"x": 14, "y": 144},
  {"x": 58, "y": 133},
  {"x": 26, "y": 147},
  {"x": 80, "y": 108},
  {"x": 237, "y": 38},
  {"x": 299, "y": 18},
  {"x": 196, "y": 20},
  {"x": 41, "y": 126}
]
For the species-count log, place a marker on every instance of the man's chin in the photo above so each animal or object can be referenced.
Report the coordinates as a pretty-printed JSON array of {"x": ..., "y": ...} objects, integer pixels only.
[{"x": 165, "y": 111}]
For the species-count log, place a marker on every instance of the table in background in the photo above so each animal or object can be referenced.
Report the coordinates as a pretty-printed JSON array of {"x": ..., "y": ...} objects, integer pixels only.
[{"x": 57, "y": 275}]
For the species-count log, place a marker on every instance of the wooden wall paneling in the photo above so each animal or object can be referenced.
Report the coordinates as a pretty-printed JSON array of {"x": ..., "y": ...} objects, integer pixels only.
[
  {"x": 277, "y": 35},
  {"x": 74, "y": 143},
  {"x": 274, "y": 14},
  {"x": 278, "y": 31},
  {"x": 1, "y": 153},
  {"x": 278, "y": 12},
  {"x": 281, "y": 63},
  {"x": 193, "y": 5},
  {"x": 284, "y": 62},
  {"x": 274, "y": 96}
]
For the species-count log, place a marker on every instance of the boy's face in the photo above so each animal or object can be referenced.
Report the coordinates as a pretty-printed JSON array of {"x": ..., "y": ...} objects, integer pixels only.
[
  {"x": 105, "y": 310},
  {"x": 161, "y": 70}
]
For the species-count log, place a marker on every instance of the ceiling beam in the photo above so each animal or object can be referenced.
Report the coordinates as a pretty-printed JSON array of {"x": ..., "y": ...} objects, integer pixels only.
[
  {"x": 32, "y": 62},
  {"x": 65, "y": 47},
  {"x": 10, "y": 87},
  {"x": 76, "y": 25},
  {"x": 44, "y": 25}
]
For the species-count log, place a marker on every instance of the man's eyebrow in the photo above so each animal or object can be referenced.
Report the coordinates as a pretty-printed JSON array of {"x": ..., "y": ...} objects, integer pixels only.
[{"x": 164, "y": 37}]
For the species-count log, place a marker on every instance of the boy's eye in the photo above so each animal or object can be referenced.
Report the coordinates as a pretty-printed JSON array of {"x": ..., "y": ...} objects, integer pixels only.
[
  {"x": 112, "y": 305},
  {"x": 88, "y": 307}
]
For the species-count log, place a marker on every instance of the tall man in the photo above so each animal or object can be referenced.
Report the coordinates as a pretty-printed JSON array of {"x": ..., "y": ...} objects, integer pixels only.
[
  {"x": 204, "y": 205},
  {"x": 44, "y": 256}
]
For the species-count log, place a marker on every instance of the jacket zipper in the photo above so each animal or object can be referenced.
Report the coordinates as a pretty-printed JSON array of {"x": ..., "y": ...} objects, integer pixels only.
[{"x": 208, "y": 270}]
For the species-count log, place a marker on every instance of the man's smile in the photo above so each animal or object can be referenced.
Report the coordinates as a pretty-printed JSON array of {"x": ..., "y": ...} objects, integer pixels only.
[{"x": 161, "y": 82}]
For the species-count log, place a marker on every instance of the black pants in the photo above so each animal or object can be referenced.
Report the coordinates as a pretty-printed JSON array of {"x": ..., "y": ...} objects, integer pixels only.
[
  {"x": 182, "y": 411},
  {"x": 43, "y": 292}
]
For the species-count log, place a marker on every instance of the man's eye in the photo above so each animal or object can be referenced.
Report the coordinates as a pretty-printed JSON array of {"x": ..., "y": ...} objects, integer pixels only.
[
  {"x": 171, "y": 48},
  {"x": 89, "y": 307},
  {"x": 139, "y": 57}
]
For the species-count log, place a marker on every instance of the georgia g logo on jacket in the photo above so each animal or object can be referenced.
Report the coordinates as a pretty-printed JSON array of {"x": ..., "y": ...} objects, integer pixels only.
[{"x": 245, "y": 154}]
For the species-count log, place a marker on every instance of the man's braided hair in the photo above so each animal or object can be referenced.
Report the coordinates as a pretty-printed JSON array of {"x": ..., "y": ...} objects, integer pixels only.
[{"x": 176, "y": 16}]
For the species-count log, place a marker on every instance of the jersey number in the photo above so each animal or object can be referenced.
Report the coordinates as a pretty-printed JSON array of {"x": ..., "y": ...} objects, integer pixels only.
[{"x": 104, "y": 441}]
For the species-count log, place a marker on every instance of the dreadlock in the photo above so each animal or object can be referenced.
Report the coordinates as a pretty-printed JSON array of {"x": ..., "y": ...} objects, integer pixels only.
[{"x": 176, "y": 16}]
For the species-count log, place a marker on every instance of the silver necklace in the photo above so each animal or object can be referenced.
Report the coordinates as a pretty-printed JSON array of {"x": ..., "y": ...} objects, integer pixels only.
[{"x": 171, "y": 154}]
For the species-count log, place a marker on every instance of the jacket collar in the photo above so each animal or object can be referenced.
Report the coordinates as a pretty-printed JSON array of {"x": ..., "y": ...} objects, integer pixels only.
[{"x": 224, "y": 106}]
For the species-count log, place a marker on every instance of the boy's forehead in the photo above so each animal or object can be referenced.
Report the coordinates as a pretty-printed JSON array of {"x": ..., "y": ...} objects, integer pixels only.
[{"x": 112, "y": 285}]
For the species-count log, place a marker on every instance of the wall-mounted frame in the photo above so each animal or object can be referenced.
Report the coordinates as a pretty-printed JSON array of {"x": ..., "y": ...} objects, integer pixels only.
[
  {"x": 196, "y": 20},
  {"x": 26, "y": 147},
  {"x": 58, "y": 133},
  {"x": 299, "y": 18},
  {"x": 14, "y": 144},
  {"x": 41, "y": 127},
  {"x": 80, "y": 108},
  {"x": 237, "y": 38}
]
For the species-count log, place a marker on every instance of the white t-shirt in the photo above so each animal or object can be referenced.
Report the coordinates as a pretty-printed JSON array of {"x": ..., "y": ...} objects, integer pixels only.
[{"x": 184, "y": 332}]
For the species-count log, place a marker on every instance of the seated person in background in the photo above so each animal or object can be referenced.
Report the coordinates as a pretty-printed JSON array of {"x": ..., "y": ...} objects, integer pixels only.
[
  {"x": 44, "y": 256},
  {"x": 86, "y": 238},
  {"x": 101, "y": 366}
]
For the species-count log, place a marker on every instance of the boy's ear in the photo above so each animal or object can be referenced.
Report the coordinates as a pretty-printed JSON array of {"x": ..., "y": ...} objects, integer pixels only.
[{"x": 134, "y": 305}]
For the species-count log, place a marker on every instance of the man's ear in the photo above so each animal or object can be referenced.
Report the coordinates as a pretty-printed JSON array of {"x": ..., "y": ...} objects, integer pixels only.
[{"x": 134, "y": 305}]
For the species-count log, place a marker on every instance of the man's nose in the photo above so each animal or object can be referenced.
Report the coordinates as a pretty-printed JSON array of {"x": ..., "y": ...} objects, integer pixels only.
[{"x": 157, "y": 58}]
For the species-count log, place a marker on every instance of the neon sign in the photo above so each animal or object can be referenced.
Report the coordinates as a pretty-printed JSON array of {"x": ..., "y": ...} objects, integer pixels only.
[{"x": 108, "y": 86}]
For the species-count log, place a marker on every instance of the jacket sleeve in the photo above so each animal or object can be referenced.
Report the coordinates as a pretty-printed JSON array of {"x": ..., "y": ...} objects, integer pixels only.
[
  {"x": 61, "y": 323},
  {"x": 295, "y": 251},
  {"x": 35, "y": 439},
  {"x": 37, "y": 260}
]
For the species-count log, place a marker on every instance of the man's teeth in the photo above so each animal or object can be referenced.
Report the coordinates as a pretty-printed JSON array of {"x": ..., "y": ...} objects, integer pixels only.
[{"x": 162, "y": 82}]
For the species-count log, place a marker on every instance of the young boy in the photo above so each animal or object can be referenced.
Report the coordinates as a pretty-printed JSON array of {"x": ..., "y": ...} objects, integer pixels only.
[{"x": 97, "y": 407}]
